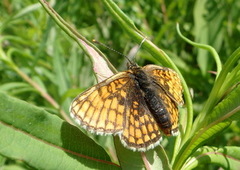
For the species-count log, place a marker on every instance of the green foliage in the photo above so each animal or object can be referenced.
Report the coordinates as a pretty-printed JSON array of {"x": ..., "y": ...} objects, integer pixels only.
[
  {"x": 34, "y": 136},
  {"x": 41, "y": 63}
]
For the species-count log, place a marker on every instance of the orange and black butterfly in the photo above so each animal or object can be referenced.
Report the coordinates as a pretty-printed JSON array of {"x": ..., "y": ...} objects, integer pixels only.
[{"x": 138, "y": 105}]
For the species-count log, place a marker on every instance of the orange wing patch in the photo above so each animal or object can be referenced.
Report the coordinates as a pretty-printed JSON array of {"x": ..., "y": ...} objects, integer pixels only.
[
  {"x": 172, "y": 109},
  {"x": 168, "y": 79},
  {"x": 141, "y": 131},
  {"x": 101, "y": 108}
]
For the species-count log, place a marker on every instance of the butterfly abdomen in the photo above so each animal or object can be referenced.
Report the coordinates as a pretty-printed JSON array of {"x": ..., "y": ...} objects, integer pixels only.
[{"x": 154, "y": 102}]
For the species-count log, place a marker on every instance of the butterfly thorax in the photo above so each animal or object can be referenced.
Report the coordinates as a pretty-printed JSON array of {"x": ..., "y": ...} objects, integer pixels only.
[{"x": 151, "y": 97}]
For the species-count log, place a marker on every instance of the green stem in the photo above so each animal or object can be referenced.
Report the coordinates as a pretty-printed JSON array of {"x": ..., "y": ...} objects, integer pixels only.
[
  {"x": 74, "y": 34},
  {"x": 44, "y": 94},
  {"x": 206, "y": 47},
  {"x": 157, "y": 53},
  {"x": 6, "y": 59}
]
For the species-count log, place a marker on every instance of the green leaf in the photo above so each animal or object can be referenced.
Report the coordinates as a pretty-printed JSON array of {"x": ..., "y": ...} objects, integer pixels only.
[
  {"x": 16, "y": 87},
  {"x": 208, "y": 30},
  {"x": 226, "y": 157},
  {"x": 127, "y": 158},
  {"x": 15, "y": 167},
  {"x": 92, "y": 52},
  {"x": 233, "y": 79},
  {"x": 197, "y": 140},
  {"x": 45, "y": 141},
  {"x": 120, "y": 16},
  {"x": 2, "y": 160},
  {"x": 228, "y": 109},
  {"x": 221, "y": 117},
  {"x": 205, "y": 47},
  {"x": 220, "y": 88},
  {"x": 153, "y": 159}
]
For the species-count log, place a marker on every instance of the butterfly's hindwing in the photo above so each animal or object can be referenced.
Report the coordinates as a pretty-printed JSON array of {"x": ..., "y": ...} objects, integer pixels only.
[{"x": 141, "y": 131}]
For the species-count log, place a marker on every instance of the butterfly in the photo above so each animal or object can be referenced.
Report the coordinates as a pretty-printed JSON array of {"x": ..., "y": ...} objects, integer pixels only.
[{"x": 138, "y": 104}]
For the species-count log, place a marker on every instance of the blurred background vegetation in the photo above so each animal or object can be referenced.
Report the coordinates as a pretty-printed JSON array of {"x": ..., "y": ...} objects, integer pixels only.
[{"x": 40, "y": 49}]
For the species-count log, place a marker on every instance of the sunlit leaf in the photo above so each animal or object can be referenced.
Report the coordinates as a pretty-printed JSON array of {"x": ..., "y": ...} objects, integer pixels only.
[{"x": 43, "y": 140}]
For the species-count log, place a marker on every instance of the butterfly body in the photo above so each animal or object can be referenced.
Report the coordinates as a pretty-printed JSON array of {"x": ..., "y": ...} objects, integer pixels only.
[
  {"x": 137, "y": 104},
  {"x": 149, "y": 89}
]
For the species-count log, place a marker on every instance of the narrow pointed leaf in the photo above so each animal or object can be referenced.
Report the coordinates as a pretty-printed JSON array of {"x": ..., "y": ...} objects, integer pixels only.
[
  {"x": 221, "y": 117},
  {"x": 45, "y": 141},
  {"x": 154, "y": 159},
  {"x": 226, "y": 157}
]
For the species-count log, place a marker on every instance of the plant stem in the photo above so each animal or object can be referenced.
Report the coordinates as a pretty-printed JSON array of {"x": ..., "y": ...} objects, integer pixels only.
[{"x": 44, "y": 94}]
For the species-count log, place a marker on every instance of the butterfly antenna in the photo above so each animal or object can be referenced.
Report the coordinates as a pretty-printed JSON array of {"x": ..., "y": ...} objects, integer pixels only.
[
  {"x": 97, "y": 42},
  {"x": 140, "y": 45}
]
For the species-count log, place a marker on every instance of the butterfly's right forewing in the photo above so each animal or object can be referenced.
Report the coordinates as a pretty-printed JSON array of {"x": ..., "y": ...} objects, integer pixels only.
[{"x": 169, "y": 88}]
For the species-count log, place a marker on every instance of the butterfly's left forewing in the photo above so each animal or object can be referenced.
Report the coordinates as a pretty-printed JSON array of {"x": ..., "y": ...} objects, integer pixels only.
[{"x": 101, "y": 108}]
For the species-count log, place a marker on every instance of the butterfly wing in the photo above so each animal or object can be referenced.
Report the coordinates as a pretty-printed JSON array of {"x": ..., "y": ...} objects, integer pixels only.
[
  {"x": 168, "y": 85},
  {"x": 116, "y": 106},
  {"x": 101, "y": 108},
  {"x": 141, "y": 131},
  {"x": 168, "y": 79}
]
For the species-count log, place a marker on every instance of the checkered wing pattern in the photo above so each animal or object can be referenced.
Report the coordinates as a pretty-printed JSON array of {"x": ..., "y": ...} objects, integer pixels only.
[
  {"x": 116, "y": 106},
  {"x": 102, "y": 108},
  {"x": 141, "y": 131},
  {"x": 169, "y": 88},
  {"x": 168, "y": 79}
]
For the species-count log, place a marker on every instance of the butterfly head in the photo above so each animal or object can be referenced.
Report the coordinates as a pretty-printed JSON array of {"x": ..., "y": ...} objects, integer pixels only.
[{"x": 132, "y": 65}]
